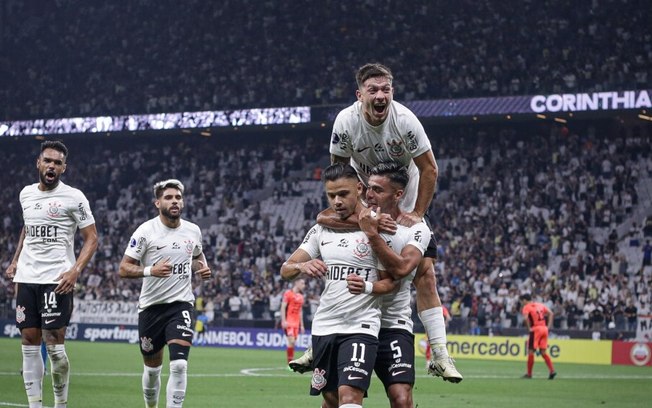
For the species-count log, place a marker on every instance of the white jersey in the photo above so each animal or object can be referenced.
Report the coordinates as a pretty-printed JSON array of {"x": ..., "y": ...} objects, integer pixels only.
[
  {"x": 339, "y": 311},
  {"x": 400, "y": 138},
  {"x": 51, "y": 220},
  {"x": 153, "y": 242},
  {"x": 395, "y": 307}
]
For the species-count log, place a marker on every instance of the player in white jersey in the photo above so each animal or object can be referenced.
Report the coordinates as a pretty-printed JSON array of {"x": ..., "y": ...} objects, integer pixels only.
[
  {"x": 45, "y": 270},
  {"x": 401, "y": 253},
  {"x": 376, "y": 129},
  {"x": 345, "y": 326},
  {"x": 165, "y": 251}
]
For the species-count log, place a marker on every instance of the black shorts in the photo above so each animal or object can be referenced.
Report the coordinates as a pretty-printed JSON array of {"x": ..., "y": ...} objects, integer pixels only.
[
  {"x": 342, "y": 359},
  {"x": 395, "y": 359},
  {"x": 159, "y": 324},
  {"x": 38, "y": 306},
  {"x": 431, "y": 250}
]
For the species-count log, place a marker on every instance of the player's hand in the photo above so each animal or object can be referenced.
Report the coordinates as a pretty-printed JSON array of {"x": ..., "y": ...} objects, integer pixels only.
[
  {"x": 11, "y": 271},
  {"x": 284, "y": 325},
  {"x": 409, "y": 219},
  {"x": 387, "y": 224},
  {"x": 203, "y": 270},
  {"x": 315, "y": 268},
  {"x": 162, "y": 269},
  {"x": 302, "y": 330},
  {"x": 368, "y": 220},
  {"x": 67, "y": 281},
  {"x": 355, "y": 284}
]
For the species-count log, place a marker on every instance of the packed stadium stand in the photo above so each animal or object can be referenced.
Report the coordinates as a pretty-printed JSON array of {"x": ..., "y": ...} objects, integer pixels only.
[
  {"x": 559, "y": 211},
  {"x": 70, "y": 58}
]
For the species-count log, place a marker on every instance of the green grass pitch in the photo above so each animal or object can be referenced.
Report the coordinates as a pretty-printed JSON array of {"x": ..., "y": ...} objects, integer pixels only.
[{"x": 108, "y": 375}]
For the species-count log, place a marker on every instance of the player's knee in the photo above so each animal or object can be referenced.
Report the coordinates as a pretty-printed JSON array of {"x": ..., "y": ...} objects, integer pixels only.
[
  {"x": 400, "y": 396},
  {"x": 178, "y": 352}
]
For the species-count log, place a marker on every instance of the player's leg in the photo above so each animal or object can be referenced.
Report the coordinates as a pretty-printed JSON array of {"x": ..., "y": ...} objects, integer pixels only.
[
  {"x": 325, "y": 374},
  {"x": 28, "y": 321},
  {"x": 178, "y": 334},
  {"x": 152, "y": 339},
  {"x": 432, "y": 316},
  {"x": 290, "y": 334},
  {"x": 151, "y": 378},
  {"x": 178, "y": 380},
  {"x": 44, "y": 357},
  {"x": 395, "y": 365},
  {"x": 542, "y": 344},
  {"x": 530, "y": 356},
  {"x": 356, "y": 359}
]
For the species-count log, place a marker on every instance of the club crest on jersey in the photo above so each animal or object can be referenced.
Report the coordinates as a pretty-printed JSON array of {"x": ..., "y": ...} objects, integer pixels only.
[
  {"x": 20, "y": 314},
  {"x": 189, "y": 246},
  {"x": 396, "y": 148},
  {"x": 362, "y": 249},
  {"x": 146, "y": 344},
  {"x": 318, "y": 379},
  {"x": 55, "y": 209}
]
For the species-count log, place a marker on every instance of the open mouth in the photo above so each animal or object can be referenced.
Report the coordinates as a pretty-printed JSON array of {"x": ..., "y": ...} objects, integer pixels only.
[
  {"x": 50, "y": 176},
  {"x": 380, "y": 109}
]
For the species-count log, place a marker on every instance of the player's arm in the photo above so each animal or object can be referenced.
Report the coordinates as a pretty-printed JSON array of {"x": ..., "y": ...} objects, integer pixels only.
[
  {"x": 200, "y": 266},
  {"x": 131, "y": 268},
  {"x": 11, "y": 269},
  {"x": 397, "y": 265},
  {"x": 551, "y": 317},
  {"x": 284, "y": 310},
  {"x": 384, "y": 285},
  {"x": 300, "y": 262},
  {"x": 67, "y": 280},
  {"x": 329, "y": 219},
  {"x": 428, "y": 173}
]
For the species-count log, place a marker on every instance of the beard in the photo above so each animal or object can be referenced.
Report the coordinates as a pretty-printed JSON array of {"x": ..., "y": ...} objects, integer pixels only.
[
  {"x": 48, "y": 182},
  {"x": 166, "y": 213}
]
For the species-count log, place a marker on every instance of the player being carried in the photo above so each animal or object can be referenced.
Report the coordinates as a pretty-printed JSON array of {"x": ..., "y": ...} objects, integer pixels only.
[{"x": 377, "y": 129}]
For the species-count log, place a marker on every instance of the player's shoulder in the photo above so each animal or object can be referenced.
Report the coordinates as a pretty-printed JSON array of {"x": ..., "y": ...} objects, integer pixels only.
[
  {"x": 191, "y": 226},
  {"x": 28, "y": 190},
  {"x": 402, "y": 111}
]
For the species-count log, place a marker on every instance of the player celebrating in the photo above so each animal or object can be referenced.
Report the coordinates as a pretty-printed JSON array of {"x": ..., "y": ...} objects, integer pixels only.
[
  {"x": 292, "y": 315},
  {"x": 345, "y": 327},
  {"x": 535, "y": 315},
  {"x": 45, "y": 270},
  {"x": 400, "y": 253},
  {"x": 376, "y": 129},
  {"x": 165, "y": 251}
]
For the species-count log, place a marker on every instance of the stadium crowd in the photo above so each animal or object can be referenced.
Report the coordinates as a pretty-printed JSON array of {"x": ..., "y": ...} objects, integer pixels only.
[
  {"x": 77, "y": 58},
  {"x": 519, "y": 209}
]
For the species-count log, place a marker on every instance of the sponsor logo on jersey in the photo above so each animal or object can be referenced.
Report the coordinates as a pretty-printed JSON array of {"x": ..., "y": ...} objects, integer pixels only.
[
  {"x": 82, "y": 212},
  {"x": 48, "y": 233},
  {"x": 344, "y": 243},
  {"x": 54, "y": 211},
  {"x": 355, "y": 368},
  {"x": 310, "y": 233},
  {"x": 362, "y": 249},
  {"x": 340, "y": 272},
  {"x": 362, "y": 149},
  {"x": 20, "y": 314},
  {"x": 335, "y": 138},
  {"x": 412, "y": 141},
  {"x": 146, "y": 344},
  {"x": 325, "y": 242},
  {"x": 318, "y": 380},
  {"x": 38, "y": 206},
  {"x": 175, "y": 245}
]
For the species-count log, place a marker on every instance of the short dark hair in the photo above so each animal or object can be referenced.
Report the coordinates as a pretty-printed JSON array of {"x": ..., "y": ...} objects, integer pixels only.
[
  {"x": 372, "y": 70},
  {"x": 395, "y": 172},
  {"x": 526, "y": 296},
  {"x": 337, "y": 171},
  {"x": 56, "y": 145}
]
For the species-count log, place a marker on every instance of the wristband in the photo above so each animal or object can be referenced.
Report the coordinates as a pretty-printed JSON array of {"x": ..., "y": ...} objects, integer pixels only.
[
  {"x": 368, "y": 287},
  {"x": 147, "y": 271}
]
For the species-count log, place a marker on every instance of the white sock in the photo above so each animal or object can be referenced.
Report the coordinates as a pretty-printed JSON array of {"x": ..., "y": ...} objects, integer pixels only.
[
  {"x": 350, "y": 406},
  {"x": 151, "y": 385},
  {"x": 33, "y": 375},
  {"x": 176, "y": 388},
  {"x": 60, "y": 371},
  {"x": 433, "y": 322}
]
